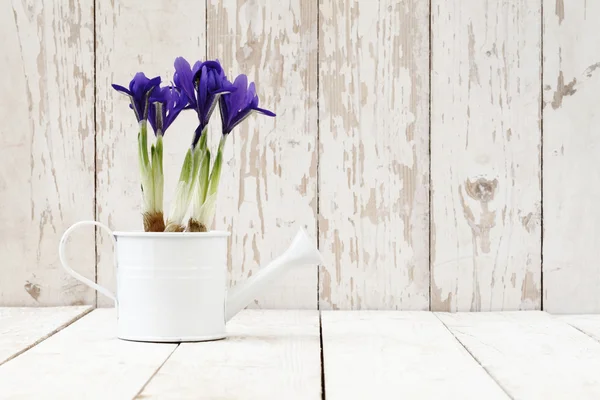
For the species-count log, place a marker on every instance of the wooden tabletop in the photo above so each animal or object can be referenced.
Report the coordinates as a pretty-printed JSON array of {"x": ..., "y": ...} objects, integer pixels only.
[{"x": 73, "y": 353}]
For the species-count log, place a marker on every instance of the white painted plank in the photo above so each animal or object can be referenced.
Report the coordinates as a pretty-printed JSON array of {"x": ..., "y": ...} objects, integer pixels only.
[
  {"x": 269, "y": 180},
  {"x": 485, "y": 155},
  {"x": 571, "y": 149},
  {"x": 83, "y": 361},
  {"x": 269, "y": 354},
  {"x": 374, "y": 145},
  {"x": 589, "y": 324},
  {"x": 531, "y": 354},
  {"x": 402, "y": 355},
  {"x": 23, "y": 327},
  {"x": 133, "y": 36},
  {"x": 47, "y": 150}
]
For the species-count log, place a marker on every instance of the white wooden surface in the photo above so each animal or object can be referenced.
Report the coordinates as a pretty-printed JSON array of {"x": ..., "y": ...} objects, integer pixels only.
[
  {"x": 269, "y": 180},
  {"x": 373, "y": 164},
  {"x": 532, "y": 355},
  {"x": 485, "y": 155},
  {"x": 135, "y": 36},
  {"x": 588, "y": 324},
  {"x": 571, "y": 149},
  {"x": 46, "y": 149},
  {"x": 407, "y": 355},
  {"x": 267, "y": 355},
  {"x": 85, "y": 360},
  {"x": 275, "y": 354},
  {"x": 23, "y": 327}
]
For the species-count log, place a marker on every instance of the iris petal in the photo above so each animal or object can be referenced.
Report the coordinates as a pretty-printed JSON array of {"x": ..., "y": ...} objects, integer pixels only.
[
  {"x": 183, "y": 79},
  {"x": 121, "y": 89},
  {"x": 139, "y": 91},
  {"x": 240, "y": 104}
]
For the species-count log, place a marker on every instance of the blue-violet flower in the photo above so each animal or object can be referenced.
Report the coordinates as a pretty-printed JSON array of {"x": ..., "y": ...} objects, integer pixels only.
[
  {"x": 203, "y": 84},
  {"x": 238, "y": 105},
  {"x": 166, "y": 104},
  {"x": 139, "y": 92}
]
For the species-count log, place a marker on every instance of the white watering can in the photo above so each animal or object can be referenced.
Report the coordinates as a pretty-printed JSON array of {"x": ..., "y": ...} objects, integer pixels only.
[{"x": 171, "y": 287}]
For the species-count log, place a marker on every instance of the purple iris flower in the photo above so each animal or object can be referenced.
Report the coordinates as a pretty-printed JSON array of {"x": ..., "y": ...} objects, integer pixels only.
[
  {"x": 184, "y": 79},
  {"x": 239, "y": 104},
  {"x": 202, "y": 84},
  {"x": 166, "y": 104},
  {"x": 139, "y": 92}
]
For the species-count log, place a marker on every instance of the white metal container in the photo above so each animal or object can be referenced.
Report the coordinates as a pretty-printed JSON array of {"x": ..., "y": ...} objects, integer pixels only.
[{"x": 171, "y": 287}]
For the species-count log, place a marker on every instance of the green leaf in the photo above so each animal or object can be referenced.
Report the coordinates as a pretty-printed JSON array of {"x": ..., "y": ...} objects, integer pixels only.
[
  {"x": 202, "y": 144},
  {"x": 186, "y": 168},
  {"x": 144, "y": 144},
  {"x": 159, "y": 153},
  {"x": 203, "y": 177},
  {"x": 215, "y": 175}
]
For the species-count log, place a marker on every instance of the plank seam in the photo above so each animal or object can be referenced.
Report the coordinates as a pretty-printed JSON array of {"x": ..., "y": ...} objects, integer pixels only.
[
  {"x": 582, "y": 331},
  {"x": 542, "y": 155},
  {"x": 94, "y": 116},
  {"x": 474, "y": 358},
  {"x": 429, "y": 150},
  {"x": 322, "y": 358},
  {"x": 139, "y": 393},
  {"x": 318, "y": 150},
  {"x": 52, "y": 333}
]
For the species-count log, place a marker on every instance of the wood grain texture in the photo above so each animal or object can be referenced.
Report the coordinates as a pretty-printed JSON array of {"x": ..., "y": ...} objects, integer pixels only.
[
  {"x": 47, "y": 149},
  {"x": 269, "y": 354},
  {"x": 23, "y": 327},
  {"x": 405, "y": 355},
  {"x": 531, "y": 354},
  {"x": 269, "y": 180},
  {"x": 131, "y": 40},
  {"x": 588, "y": 324},
  {"x": 373, "y": 164},
  {"x": 571, "y": 149},
  {"x": 485, "y": 156},
  {"x": 84, "y": 360}
]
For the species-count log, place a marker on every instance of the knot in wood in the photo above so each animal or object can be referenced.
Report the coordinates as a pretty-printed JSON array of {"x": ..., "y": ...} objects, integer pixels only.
[{"x": 482, "y": 189}]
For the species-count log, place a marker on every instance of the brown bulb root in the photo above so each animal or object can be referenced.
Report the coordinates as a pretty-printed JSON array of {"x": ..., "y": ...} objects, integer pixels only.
[
  {"x": 174, "y": 227},
  {"x": 195, "y": 226},
  {"x": 154, "y": 222}
]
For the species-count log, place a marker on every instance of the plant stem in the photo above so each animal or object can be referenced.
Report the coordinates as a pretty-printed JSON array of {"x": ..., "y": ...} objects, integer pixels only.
[{"x": 215, "y": 174}]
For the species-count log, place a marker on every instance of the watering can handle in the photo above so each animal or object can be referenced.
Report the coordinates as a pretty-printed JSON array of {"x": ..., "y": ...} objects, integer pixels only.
[{"x": 63, "y": 260}]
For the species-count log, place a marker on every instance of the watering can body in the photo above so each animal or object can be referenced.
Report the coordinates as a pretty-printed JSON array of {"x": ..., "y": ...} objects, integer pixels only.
[{"x": 172, "y": 287}]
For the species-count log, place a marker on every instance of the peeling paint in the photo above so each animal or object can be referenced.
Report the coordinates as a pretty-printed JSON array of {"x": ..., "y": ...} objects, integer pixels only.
[
  {"x": 563, "y": 90},
  {"x": 530, "y": 288},
  {"x": 560, "y": 11},
  {"x": 482, "y": 191},
  {"x": 32, "y": 289},
  {"x": 590, "y": 70},
  {"x": 528, "y": 222}
]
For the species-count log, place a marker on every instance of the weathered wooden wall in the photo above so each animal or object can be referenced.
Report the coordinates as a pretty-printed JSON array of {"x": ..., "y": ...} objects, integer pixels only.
[
  {"x": 485, "y": 155},
  {"x": 571, "y": 170},
  {"x": 440, "y": 153},
  {"x": 46, "y": 149},
  {"x": 374, "y": 145}
]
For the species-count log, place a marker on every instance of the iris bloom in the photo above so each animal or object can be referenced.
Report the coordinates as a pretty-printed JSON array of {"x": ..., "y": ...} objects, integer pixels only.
[
  {"x": 235, "y": 107},
  {"x": 203, "y": 84},
  {"x": 166, "y": 104},
  {"x": 199, "y": 88},
  {"x": 239, "y": 105},
  {"x": 139, "y": 92}
]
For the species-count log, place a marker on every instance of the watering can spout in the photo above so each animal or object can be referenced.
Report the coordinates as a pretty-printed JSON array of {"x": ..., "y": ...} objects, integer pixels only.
[{"x": 302, "y": 251}]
